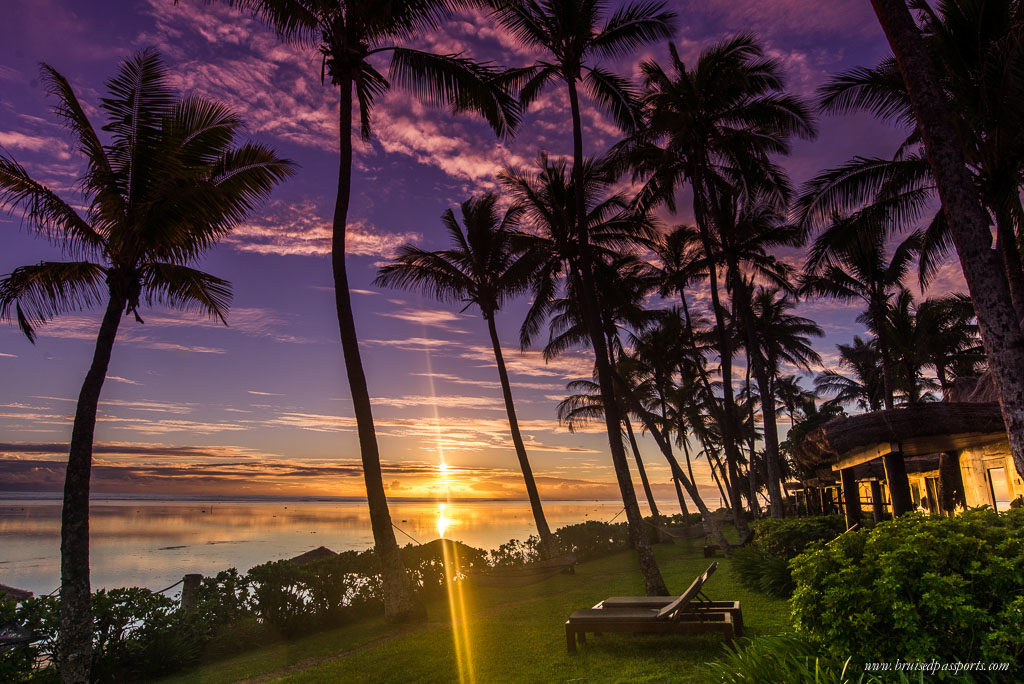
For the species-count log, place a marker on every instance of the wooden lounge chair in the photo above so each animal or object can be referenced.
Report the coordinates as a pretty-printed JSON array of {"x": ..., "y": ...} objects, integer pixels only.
[
  {"x": 676, "y": 617},
  {"x": 699, "y": 603}
]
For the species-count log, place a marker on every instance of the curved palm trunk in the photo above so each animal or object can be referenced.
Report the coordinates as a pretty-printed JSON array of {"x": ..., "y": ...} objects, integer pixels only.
[
  {"x": 517, "y": 440},
  {"x": 643, "y": 471},
  {"x": 75, "y": 647},
  {"x": 725, "y": 351},
  {"x": 654, "y": 584},
  {"x": 400, "y": 603},
  {"x": 1000, "y": 327},
  {"x": 711, "y": 525}
]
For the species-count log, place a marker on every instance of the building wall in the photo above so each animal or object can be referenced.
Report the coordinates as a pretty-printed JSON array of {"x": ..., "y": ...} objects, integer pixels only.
[{"x": 975, "y": 464}]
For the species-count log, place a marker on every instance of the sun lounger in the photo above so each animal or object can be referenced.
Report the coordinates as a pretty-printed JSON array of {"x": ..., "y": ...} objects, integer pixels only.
[
  {"x": 699, "y": 603},
  {"x": 676, "y": 617}
]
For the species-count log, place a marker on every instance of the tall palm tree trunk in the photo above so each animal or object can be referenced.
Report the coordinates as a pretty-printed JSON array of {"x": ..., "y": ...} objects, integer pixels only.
[
  {"x": 400, "y": 603},
  {"x": 654, "y": 584},
  {"x": 517, "y": 440},
  {"x": 1000, "y": 327},
  {"x": 728, "y": 425},
  {"x": 75, "y": 647},
  {"x": 679, "y": 495},
  {"x": 877, "y": 306},
  {"x": 643, "y": 471},
  {"x": 756, "y": 363}
]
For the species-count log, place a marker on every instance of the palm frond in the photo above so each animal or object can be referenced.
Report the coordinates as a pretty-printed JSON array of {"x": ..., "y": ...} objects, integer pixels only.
[
  {"x": 48, "y": 289},
  {"x": 458, "y": 82},
  {"x": 187, "y": 289}
]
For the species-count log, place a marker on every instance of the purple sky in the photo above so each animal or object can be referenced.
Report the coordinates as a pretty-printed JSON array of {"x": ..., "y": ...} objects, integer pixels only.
[{"x": 261, "y": 407}]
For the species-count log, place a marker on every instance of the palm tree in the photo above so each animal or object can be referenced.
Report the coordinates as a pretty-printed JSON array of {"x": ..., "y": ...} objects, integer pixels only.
[
  {"x": 746, "y": 244},
  {"x": 479, "y": 269},
  {"x": 572, "y": 33},
  {"x": 865, "y": 388},
  {"x": 948, "y": 337},
  {"x": 548, "y": 199},
  {"x": 166, "y": 188},
  {"x": 963, "y": 211},
  {"x": 350, "y": 34},
  {"x": 860, "y": 269},
  {"x": 716, "y": 127},
  {"x": 975, "y": 45}
]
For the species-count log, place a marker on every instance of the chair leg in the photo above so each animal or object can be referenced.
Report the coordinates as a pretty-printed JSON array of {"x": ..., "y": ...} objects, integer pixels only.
[{"x": 570, "y": 638}]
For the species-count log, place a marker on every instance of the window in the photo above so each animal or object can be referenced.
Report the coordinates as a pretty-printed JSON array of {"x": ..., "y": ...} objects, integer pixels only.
[{"x": 998, "y": 489}]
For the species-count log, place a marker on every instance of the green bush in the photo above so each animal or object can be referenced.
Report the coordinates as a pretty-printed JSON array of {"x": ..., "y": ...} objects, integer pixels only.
[
  {"x": 918, "y": 588},
  {"x": 763, "y": 572},
  {"x": 764, "y": 565},
  {"x": 785, "y": 659},
  {"x": 787, "y": 537}
]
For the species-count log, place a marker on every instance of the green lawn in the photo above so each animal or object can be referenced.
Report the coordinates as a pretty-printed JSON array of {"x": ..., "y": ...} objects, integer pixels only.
[{"x": 515, "y": 634}]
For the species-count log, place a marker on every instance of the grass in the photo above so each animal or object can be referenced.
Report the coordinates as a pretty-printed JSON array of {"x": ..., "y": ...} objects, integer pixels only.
[{"x": 515, "y": 634}]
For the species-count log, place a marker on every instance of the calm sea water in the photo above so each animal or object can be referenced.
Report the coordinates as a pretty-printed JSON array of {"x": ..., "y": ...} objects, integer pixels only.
[{"x": 153, "y": 542}]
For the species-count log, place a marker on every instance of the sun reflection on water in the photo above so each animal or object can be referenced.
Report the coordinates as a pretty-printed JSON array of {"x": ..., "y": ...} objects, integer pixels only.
[{"x": 452, "y": 567}]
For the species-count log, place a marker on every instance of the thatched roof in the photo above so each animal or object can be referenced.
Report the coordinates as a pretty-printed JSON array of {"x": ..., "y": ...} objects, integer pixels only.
[
  {"x": 979, "y": 390},
  {"x": 843, "y": 435},
  {"x": 317, "y": 554}
]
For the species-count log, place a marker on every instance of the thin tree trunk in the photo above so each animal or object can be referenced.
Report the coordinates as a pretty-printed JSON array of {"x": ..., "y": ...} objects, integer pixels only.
[
  {"x": 1000, "y": 326},
  {"x": 75, "y": 646},
  {"x": 642, "y": 470},
  {"x": 877, "y": 308},
  {"x": 710, "y": 525},
  {"x": 654, "y": 584},
  {"x": 400, "y": 603},
  {"x": 755, "y": 359},
  {"x": 517, "y": 440},
  {"x": 728, "y": 426},
  {"x": 679, "y": 495}
]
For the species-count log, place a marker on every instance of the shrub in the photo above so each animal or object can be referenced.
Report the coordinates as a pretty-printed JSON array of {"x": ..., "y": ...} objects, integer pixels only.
[
  {"x": 917, "y": 588},
  {"x": 764, "y": 565},
  {"x": 787, "y": 537},
  {"x": 763, "y": 572},
  {"x": 785, "y": 659}
]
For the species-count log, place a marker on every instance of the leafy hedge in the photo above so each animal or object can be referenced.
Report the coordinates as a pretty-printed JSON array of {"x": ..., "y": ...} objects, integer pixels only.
[
  {"x": 135, "y": 629},
  {"x": 764, "y": 566},
  {"x": 918, "y": 588}
]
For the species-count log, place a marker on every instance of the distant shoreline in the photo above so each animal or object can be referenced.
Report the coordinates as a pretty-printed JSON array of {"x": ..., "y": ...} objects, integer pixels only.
[{"x": 6, "y": 496}]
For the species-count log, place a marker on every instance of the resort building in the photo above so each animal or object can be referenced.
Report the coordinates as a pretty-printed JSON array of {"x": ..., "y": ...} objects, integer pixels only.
[{"x": 936, "y": 457}]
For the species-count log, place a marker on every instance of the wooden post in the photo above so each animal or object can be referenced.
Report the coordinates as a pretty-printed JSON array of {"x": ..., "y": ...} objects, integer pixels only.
[
  {"x": 899, "y": 485},
  {"x": 951, "y": 483},
  {"x": 877, "y": 508},
  {"x": 827, "y": 505},
  {"x": 189, "y": 588},
  {"x": 851, "y": 497}
]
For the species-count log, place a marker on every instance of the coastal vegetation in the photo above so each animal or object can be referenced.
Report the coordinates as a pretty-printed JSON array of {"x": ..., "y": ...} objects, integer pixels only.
[{"x": 693, "y": 331}]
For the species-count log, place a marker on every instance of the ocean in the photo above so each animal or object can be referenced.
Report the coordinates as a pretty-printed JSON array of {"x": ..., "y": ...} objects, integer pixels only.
[{"x": 153, "y": 541}]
